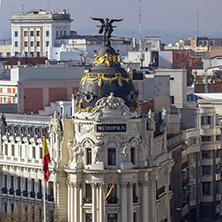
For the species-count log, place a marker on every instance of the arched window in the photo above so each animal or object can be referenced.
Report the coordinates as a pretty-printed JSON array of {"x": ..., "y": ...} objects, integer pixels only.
[
  {"x": 88, "y": 156},
  {"x": 133, "y": 155},
  {"x": 111, "y": 156}
]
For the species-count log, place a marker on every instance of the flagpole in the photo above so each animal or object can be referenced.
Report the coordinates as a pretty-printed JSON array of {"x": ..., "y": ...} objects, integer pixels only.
[{"x": 44, "y": 199}]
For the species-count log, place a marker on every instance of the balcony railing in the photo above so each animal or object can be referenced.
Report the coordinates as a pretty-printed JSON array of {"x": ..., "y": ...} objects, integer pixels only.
[
  {"x": 32, "y": 194},
  {"x": 112, "y": 200},
  {"x": 4, "y": 190},
  {"x": 50, "y": 198},
  {"x": 18, "y": 192},
  {"x": 39, "y": 195},
  {"x": 87, "y": 199},
  {"x": 25, "y": 193},
  {"x": 11, "y": 191}
]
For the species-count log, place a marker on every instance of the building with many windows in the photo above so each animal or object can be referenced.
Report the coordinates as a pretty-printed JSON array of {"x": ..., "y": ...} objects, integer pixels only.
[{"x": 33, "y": 32}]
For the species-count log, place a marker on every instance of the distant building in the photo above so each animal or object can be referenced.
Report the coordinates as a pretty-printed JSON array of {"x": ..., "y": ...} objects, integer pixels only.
[{"x": 36, "y": 30}]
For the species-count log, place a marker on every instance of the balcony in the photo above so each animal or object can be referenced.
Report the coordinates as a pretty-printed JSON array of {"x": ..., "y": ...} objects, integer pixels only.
[
  {"x": 4, "y": 190},
  {"x": 112, "y": 200},
  {"x": 39, "y": 195},
  {"x": 18, "y": 192},
  {"x": 25, "y": 193},
  {"x": 32, "y": 194},
  {"x": 135, "y": 199},
  {"x": 50, "y": 198},
  {"x": 11, "y": 191}
]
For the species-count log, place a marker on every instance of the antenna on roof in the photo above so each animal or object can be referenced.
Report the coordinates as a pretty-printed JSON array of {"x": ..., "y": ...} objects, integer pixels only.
[
  {"x": 140, "y": 25},
  {"x": 22, "y": 9},
  {"x": 197, "y": 23},
  {"x": 47, "y": 6}
]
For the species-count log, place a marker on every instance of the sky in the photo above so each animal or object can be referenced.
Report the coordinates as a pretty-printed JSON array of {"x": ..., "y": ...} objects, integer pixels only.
[{"x": 169, "y": 15}]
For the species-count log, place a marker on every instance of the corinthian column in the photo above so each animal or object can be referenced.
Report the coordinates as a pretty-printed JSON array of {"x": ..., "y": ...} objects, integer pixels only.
[
  {"x": 130, "y": 202},
  {"x": 101, "y": 203},
  {"x": 76, "y": 208},
  {"x": 123, "y": 201},
  {"x": 72, "y": 203},
  {"x": 93, "y": 202},
  {"x": 144, "y": 201}
]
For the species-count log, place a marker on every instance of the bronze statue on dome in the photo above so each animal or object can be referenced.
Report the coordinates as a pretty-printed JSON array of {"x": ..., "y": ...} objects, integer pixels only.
[{"x": 107, "y": 27}]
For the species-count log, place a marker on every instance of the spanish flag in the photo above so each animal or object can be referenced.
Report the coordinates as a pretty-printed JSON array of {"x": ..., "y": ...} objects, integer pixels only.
[
  {"x": 112, "y": 188},
  {"x": 46, "y": 159}
]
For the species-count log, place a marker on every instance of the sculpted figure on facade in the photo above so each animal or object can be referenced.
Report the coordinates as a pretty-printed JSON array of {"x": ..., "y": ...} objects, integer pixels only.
[
  {"x": 142, "y": 151},
  {"x": 55, "y": 123},
  {"x": 150, "y": 120},
  {"x": 75, "y": 151},
  {"x": 125, "y": 152},
  {"x": 164, "y": 116},
  {"x": 110, "y": 103}
]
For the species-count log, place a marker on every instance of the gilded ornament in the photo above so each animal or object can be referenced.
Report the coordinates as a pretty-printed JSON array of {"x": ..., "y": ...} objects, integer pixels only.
[
  {"x": 108, "y": 59},
  {"x": 101, "y": 77}
]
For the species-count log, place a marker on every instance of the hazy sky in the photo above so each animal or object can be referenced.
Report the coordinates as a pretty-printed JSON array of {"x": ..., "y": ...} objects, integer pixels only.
[{"x": 156, "y": 14}]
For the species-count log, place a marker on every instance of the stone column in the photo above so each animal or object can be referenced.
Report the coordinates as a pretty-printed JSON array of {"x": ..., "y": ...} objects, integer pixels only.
[
  {"x": 76, "y": 202},
  {"x": 69, "y": 200},
  {"x": 144, "y": 201},
  {"x": 123, "y": 201},
  {"x": 72, "y": 203},
  {"x": 101, "y": 203},
  {"x": 80, "y": 201},
  {"x": 93, "y": 202},
  {"x": 130, "y": 201},
  {"x": 152, "y": 198}
]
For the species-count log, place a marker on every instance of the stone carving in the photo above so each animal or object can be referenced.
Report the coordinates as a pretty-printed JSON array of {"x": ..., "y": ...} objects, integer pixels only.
[
  {"x": 86, "y": 128},
  {"x": 55, "y": 123},
  {"x": 150, "y": 120},
  {"x": 98, "y": 152},
  {"x": 110, "y": 103},
  {"x": 142, "y": 151},
  {"x": 133, "y": 127},
  {"x": 75, "y": 151},
  {"x": 164, "y": 115},
  {"x": 125, "y": 152}
]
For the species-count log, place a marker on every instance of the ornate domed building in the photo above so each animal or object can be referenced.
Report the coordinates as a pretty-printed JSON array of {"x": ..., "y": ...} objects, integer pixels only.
[{"x": 119, "y": 167}]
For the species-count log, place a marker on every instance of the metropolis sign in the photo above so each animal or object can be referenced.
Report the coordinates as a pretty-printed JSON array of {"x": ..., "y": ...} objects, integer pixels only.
[{"x": 111, "y": 127}]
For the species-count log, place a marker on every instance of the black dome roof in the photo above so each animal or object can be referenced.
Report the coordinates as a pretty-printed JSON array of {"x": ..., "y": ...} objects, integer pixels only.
[{"x": 105, "y": 77}]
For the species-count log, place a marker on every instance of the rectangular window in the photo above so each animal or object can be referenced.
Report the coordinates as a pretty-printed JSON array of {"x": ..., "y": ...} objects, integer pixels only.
[
  {"x": 16, "y": 44},
  {"x": 112, "y": 218},
  {"x": 206, "y": 154},
  {"x": 47, "y": 43},
  {"x": 12, "y": 182},
  {"x": 206, "y": 188},
  {"x": 38, "y": 54},
  {"x": 8, "y": 54},
  {"x": 60, "y": 33},
  {"x": 33, "y": 152},
  {"x": 6, "y": 149},
  {"x": 111, "y": 156},
  {"x": 26, "y": 44},
  {"x": 13, "y": 149},
  {"x": 38, "y": 43},
  {"x": 218, "y": 153},
  {"x": 16, "y": 33},
  {"x": 57, "y": 33},
  {"x": 88, "y": 193},
  {"x": 47, "y": 33},
  {"x": 31, "y": 44},
  {"x": 206, "y": 170},
  {"x": 205, "y": 120},
  {"x": 18, "y": 183},
  {"x": 25, "y": 33},
  {"x": 88, "y": 217},
  {"x": 5, "y": 182},
  {"x": 89, "y": 156},
  {"x": 171, "y": 99},
  {"x": 112, "y": 199},
  {"x": 206, "y": 138},
  {"x": 40, "y": 152},
  {"x": 31, "y": 33},
  {"x": 37, "y": 33}
]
